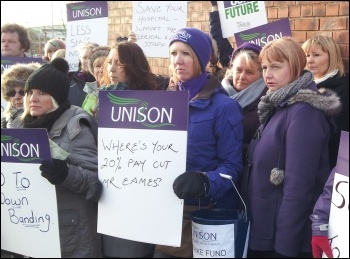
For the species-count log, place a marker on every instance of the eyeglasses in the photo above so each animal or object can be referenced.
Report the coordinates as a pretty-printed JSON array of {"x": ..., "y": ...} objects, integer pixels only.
[{"x": 13, "y": 93}]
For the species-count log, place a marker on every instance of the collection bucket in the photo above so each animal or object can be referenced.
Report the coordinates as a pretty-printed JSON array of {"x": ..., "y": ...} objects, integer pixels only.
[{"x": 220, "y": 233}]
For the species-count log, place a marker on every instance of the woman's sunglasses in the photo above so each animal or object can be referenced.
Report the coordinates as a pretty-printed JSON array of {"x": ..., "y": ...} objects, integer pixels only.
[{"x": 13, "y": 93}]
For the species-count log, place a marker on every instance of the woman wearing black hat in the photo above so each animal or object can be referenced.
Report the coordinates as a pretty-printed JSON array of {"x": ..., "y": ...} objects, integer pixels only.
[{"x": 46, "y": 105}]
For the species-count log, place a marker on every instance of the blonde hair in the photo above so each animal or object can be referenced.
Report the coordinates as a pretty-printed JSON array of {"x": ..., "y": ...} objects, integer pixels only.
[
  {"x": 27, "y": 111},
  {"x": 196, "y": 65},
  {"x": 285, "y": 49},
  {"x": 328, "y": 45},
  {"x": 251, "y": 58}
]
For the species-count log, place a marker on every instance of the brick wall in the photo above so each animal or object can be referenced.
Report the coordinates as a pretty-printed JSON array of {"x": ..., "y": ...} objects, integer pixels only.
[{"x": 307, "y": 19}]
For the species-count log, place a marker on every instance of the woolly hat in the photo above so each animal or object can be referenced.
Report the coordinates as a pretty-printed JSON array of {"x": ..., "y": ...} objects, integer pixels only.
[
  {"x": 51, "y": 78},
  {"x": 100, "y": 51},
  {"x": 248, "y": 46},
  {"x": 16, "y": 75},
  {"x": 54, "y": 44},
  {"x": 199, "y": 41}
]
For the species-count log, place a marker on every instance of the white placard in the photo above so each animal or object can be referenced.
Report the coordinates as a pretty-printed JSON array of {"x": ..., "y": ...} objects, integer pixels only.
[
  {"x": 85, "y": 24},
  {"x": 236, "y": 16},
  {"x": 155, "y": 22},
  {"x": 29, "y": 221},
  {"x": 138, "y": 168},
  {"x": 338, "y": 232}
]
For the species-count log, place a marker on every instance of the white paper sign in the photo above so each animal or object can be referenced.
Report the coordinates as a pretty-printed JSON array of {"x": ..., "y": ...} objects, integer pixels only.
[
  {"x": 338, "y": 232},
  {"x": 29, "y": 221},
  {"x": 86, "y": 22},
  {"x": 137, "y": 170},
  {"x": 236, "y": 16},
  {"x": 155, "y": 22}
]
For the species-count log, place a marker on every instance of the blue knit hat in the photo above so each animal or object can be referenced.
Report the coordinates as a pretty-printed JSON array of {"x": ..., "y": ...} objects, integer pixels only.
[
  {"x": 247, "y": 46},
  {"x": 199, "y": 41}
]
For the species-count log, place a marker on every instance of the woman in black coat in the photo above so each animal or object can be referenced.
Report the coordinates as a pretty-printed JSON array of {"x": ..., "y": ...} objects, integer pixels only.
[{"x": 325, "y": 62}]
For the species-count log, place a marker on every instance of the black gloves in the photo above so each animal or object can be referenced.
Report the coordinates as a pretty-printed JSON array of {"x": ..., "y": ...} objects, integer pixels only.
[
  {"x": 55, "y": 172},
  {"x": 214, "y": 3},
  {"x": 95, "y": 189},
  {"x": 191, "y": 185}
]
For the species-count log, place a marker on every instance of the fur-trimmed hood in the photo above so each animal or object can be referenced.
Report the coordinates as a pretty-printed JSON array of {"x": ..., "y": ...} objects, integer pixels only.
[
  {"x": 324, "y": 100},
  {"x": 16, "y": 75}
]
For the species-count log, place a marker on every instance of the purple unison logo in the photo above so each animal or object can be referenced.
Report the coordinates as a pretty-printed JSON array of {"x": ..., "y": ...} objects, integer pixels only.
[{"x": 137, "y": 111}]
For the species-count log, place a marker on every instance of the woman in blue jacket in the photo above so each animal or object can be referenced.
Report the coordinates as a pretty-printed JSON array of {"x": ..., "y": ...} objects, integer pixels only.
[
  {"x": 287, "y": 161},
  {"x": 215, "y": 134}
]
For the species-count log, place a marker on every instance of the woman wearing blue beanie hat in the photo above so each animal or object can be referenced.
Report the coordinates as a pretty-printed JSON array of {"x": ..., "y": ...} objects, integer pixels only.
[
  {"x": 215, "y": 135},
  {"x": 198, "y": 41}
]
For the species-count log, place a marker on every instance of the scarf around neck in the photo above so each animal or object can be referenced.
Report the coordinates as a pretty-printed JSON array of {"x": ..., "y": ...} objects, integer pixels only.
[
  {"x": 194, "y": 85},
  {"x": 48, "y": 120},
  {"x": 271, "y": 100},
  {"x": 250, "y": 94},
  {"x": 117, "y": 86}
]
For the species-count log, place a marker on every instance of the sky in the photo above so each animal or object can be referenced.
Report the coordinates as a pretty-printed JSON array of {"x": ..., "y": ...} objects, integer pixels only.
[{"x": 33, "y": 13}]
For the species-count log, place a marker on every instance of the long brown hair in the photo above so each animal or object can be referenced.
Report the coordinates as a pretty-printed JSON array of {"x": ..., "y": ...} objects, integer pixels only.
[
  {"x": 136, "y": 66},
  {"x": 104, "y": 79}
]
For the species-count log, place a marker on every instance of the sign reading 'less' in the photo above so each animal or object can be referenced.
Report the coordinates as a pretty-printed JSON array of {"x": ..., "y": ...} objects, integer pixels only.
[{"x": 86, "y": 22}]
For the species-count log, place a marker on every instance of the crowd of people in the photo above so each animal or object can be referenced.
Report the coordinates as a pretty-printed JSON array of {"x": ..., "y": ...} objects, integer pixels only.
[{"x": 269, "y": 117}]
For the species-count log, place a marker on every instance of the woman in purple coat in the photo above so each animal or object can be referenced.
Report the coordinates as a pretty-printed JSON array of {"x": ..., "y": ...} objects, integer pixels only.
[{"x": 287, "y": 160}]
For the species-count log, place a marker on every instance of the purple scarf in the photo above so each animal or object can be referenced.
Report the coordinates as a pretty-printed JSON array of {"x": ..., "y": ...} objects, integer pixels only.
[{"x": 194, "y": 85}]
